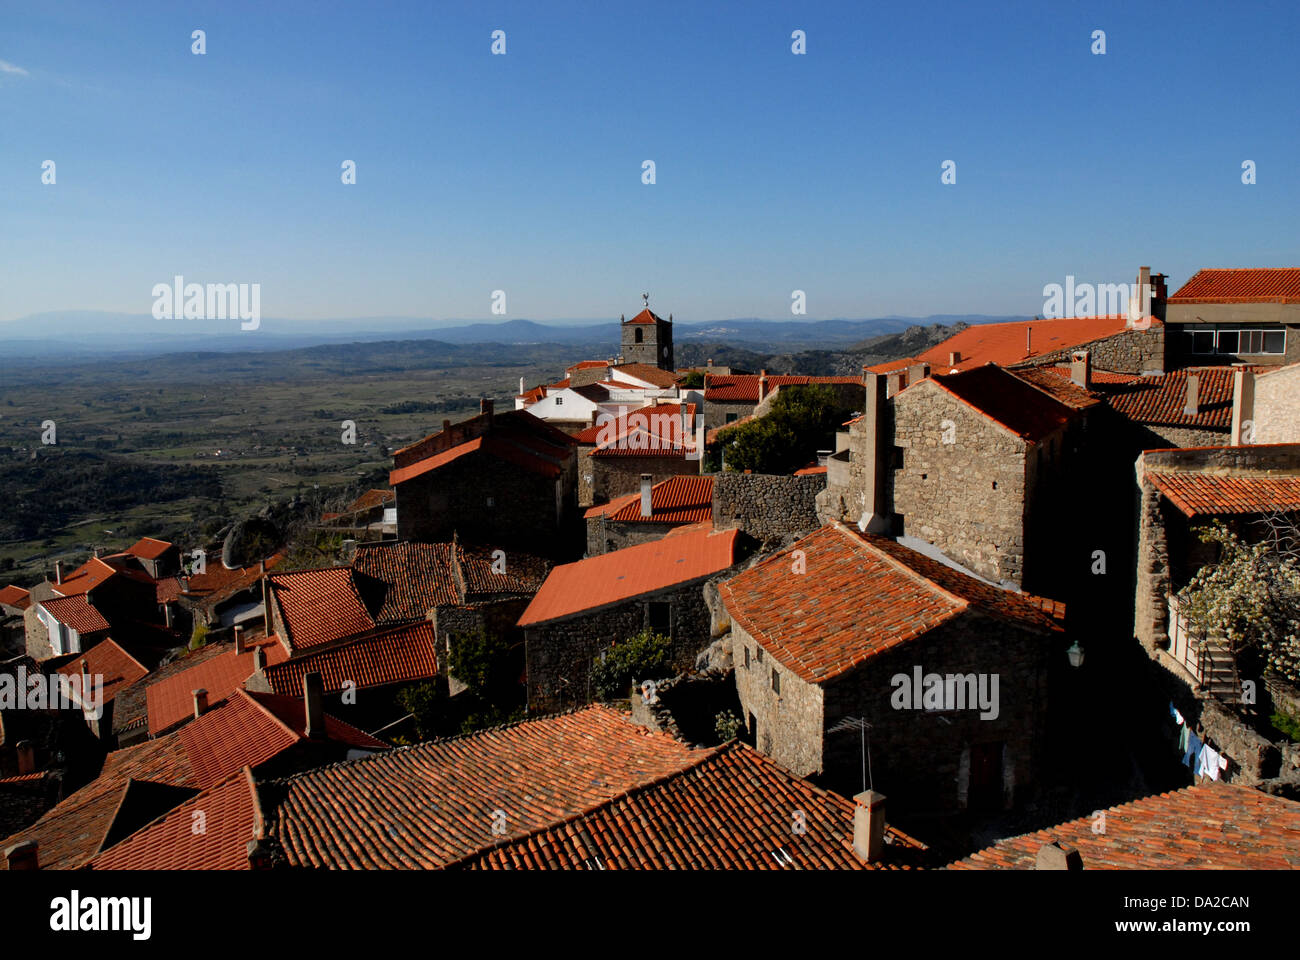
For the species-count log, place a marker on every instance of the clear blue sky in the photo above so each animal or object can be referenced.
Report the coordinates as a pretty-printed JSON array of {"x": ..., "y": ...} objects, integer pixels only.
[{"x": 523, "y": 172}]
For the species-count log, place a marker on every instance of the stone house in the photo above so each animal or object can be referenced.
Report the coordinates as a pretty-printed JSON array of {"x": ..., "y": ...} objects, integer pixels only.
[
  {"x": 734, "y": 397},
  {"x": 647, "y": 339},
  {"x": 1233, "y": 316},
  {"x": 1181, "y": 490},
  {"x": 1266, "y": 404},
  {"x": 14, "y": 601},
  {"x": 78, "y": 609},
  {"x": 613, "y": 453},
  {"x": 650, "y": 514},
  {"x": 767, "y": 507},
  {"x": 948, "y": 671},
  {"x": 973, "y": 463},
  {"x": 508, "y": 480},
  {"x": 585, "y": 607}
]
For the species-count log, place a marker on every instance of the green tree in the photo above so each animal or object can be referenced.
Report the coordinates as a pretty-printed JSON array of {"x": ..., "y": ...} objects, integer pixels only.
[
  {"x": 426, "y": 705},
  {"x": 642, "y": 657},
  {"x": 801, "y": 421},
  {"x": 694, "y": 380}
]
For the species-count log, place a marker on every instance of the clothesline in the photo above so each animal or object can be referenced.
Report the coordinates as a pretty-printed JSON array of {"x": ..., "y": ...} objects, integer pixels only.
[{"x": 1203, "y": 759}]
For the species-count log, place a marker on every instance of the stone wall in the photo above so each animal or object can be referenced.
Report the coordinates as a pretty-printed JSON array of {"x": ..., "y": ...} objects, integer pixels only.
[
  {"x": 602, "y": 538},
  {"x": 526, "y": 510},
  {"x": 916, "y": 756},
  {"x": 1129, "y": 351},
  {"x": 615, "y": 476},
  {"x": 1276, "y": 413},
  {"x": 715, "y": 413},
  {"x": 767, "y": 506},
  {"x": 453, "y": 621},
  {"x": 1151, "y": 609},
  {"x": 967, "y": 496},
  {"x": 559, "y": 653}
]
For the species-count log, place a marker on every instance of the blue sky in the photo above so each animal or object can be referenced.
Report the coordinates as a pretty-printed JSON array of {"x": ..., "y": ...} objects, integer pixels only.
[{"x": 522, "y": 172}]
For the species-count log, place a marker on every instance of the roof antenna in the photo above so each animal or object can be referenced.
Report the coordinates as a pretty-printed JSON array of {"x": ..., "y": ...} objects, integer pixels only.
[{"x": 861, "y": 725}]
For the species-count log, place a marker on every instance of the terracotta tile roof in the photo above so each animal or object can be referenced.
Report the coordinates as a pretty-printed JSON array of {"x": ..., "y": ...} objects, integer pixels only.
[
  {"x": 711, "y": 436},
  {"x": 860, "y": 596},
  {"x": 85, "y": 578},
  {"x": 393, "y": 655},
  {"x": 645, "y": 316},
  {"x": 291, "y": 711},
  {"x": 1004, "y": 343},
  {"x": 809, "y": 470},
  {"x": 147, "y": 548},
  {"x": 171, "y": 701},
  {"x": 618, "y": 503},
  {"x": 15, "y": 596},
  {"x": 518, "y": 454},
  {"x": 586, "y": 365},
  {"x": 1252, "y": 285},
  {"x": 217, "y": 583},
  {"x": 108, "y": 660},
  {"x": 1217, "y": 826},
  {"x": 611, "y": 577},
  {"x": 1056, "y": 381},
  {"x": 1199, "y": 494},
  {"x": 24, "y": 777},
  {"x": 1159, "y": 401},
  {"x": 319, "y": 606},
  {"x": 640, "y": 419},
  {"x": 644, "y": 371},
  {"x": 524, "y": 573},
  {"x": 731, "y": 810},
  {"x": 170, "y": 843},
  {"x": 370, "y": 499},
  {"x": 76, "y": 612},
  {"x": 130, "y": 705},
  {"x": 1006, "y": 399},
  {"x": 539, "y": 392},
  {"x": 433, "y": 803},
  {"x": 683, "y": 499},
  {"x": 237, "y": 732},
  {"x": 743, "y": 387}
]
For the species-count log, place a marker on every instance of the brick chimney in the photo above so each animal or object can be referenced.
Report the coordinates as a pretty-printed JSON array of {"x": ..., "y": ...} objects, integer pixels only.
[
  {"x": 239, "y": 640},
  {"x": 646, "y": 484},
  {"x": 1054, "y": 856},
  {"x": 259, "y": 659},
  {"x": 200, "y": 702},
  {"x": 1193, "y": 405},
  {"x": 313, "y": 696},
  {"x": 1243, "y": 403},
  {"x": 26, "y": 751},
  {"x": 954, "y": 358},
  {"x": 869, "y": 825},
  {"x": 485, "y": 406},
  {"x": 762, "y": 385},
  {"x": 23, "y": 856},
  {"x": 1081, "y": 369}
]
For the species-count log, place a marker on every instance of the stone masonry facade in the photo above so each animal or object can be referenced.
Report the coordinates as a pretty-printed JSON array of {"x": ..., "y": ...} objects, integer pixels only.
[{"x": 768, "y": 507}]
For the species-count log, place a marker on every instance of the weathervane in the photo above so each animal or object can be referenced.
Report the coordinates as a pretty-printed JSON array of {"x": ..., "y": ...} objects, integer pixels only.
[{"x": 646, "y": 298}]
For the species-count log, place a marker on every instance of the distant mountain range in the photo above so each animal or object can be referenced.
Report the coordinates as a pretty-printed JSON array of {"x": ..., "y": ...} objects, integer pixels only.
[{"x": 73, "y": 336}]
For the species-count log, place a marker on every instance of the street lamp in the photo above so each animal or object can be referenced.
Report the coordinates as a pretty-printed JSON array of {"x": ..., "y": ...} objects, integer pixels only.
[{"x": 1075, "y": 653}]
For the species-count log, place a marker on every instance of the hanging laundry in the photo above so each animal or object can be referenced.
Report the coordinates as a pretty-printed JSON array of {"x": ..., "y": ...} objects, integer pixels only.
[
  {"x": 1172, "y": 711},
  {"x": 1182, "y": 740},
  {"x": 1193, "y": 752},
  {"x": 1209, "y": 763},
  {"x": 1179, "y": 717}
]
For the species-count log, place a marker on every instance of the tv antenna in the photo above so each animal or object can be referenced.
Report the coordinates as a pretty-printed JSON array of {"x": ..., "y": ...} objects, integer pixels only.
[{"x": 861, "y": 725}]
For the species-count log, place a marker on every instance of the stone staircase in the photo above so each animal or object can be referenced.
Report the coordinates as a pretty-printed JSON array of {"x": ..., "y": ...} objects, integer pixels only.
[{"x": 1218, "y": 670}]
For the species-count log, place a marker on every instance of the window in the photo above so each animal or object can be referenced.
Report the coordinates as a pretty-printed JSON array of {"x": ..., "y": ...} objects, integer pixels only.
[
  {"x": 731, "y": 417},
  {"x": 559, "y": 401},
  {"x": 898, "y": 458},
  {"x": 491, "y": 501},
  {"x": 1242, "y": 342},
  {"x": 661, "y": 618},
  {"x": 637, "y": 335},
  {"x": 776, "y": 682},
  {"x": 1228, "y": 341},
  {"x": 1202, "y": 341},
  {"x": 747, "y": 658},
  {"x": 758, "y": 653}
]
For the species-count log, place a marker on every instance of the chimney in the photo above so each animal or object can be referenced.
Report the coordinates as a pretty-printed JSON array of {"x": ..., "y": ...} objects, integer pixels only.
[
  {"x": 521, "y": 384},
  {"x": 58, "y": 572},
  {"x": 313, "y": 695},
  {"x": 1193, "y": 405},
  {"x": 261, "y": 566},
  {"x": 709, "y": 362},
  {"x": 954, "y": 358},
  {"x": 917, "y": 372},
  {"x": 167, "y": 614},
  {"x": 96, "y": 552},
  {"x": 1029, "y": 339},
  {"x": 686, "y": 422},
  {"x": 1053, "y": 856},
  {"x": 26, "y": 751},
  {"x": 446, "y": 425},
  {"x": 646, "y": 509},
  {"x": 259, "y": 659},
  {"x": 762, "y": 384},
  {"x": 869, "y": 825},
  {"x": 1081, "y": 369},
  {"x": 1159, "y": 294},
  {"x": 896, "y": 381},
  {"x": 23, "y": 856},
  {"x": 200, "y": 702},
  {"x": 239, "y": 640},
  {"x": 1243, "y": 405},
  {"x": 485, "y": 406},
  {"x": 185, "y": 583},
  {"x": 879, "y": 445}
]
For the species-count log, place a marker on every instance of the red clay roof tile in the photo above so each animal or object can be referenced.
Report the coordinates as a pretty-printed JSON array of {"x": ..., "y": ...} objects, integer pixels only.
[
  {"x": 1198, "y": 494},
  {"x": 1252, "y": 285}
]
